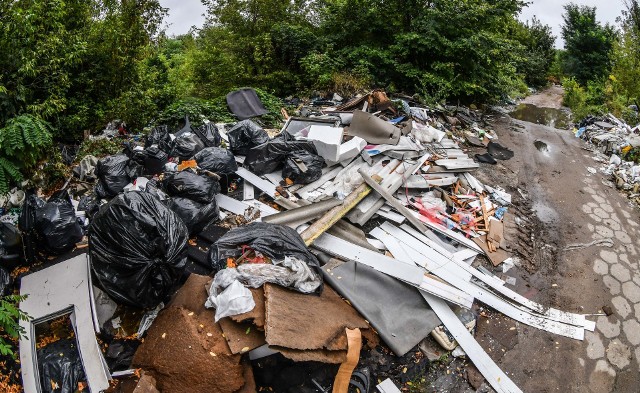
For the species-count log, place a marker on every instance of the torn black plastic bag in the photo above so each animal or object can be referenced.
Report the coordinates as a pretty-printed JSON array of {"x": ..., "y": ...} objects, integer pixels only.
[
  {"x": 209, "y": 134},
  {"x": 486, "y": 158},
  {"x": 186, "y": 145},
  {"x": 56, "y": 224},
  {"x": 216, "y": 159},
  {"x": 270, "y": 156},
  {"x": 159, "y": 136},
  {"x": 302, "y": 167},
  {"x": 245, "y": 135},
  {"x": 5, "y": 282},
  {"x": 273, "y": 240},
  {"x": 11, "y": 252},
  {"x": 114, "y": 173},
  {"x": 498, "y": 151},
  {"x": 138, "y": 249},
  {"x": 187, "y": 184},
  {"x": 60, "y": 367},
  {"x": 196, "y": 216},
  {"x": 154, "y": 160}
]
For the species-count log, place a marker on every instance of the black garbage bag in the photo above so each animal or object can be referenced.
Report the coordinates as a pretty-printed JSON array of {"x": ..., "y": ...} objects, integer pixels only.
[
  {"x": 273, "y": 240},
  {"x": 209, "y": 134},
  {"x": 27, "y": 225},
  {"x": 159, "y": 136},
  {"x": 245, "y": 135},
  {"x": 270, "y": 156},
  {"x": 10, "y": 246},
  {"x": 187, "y": 184},
  {"x": 10, "y": 239},
  {"x": 89, "y": 204},
  {"x": 216, "y": 159},
  {"x": 498, "y": 151},
  {"x": 138, "y": 249},
  {"x": 56, "y": 224},
  {"x": 120, "y": 353},
  {"x": 486, "y": 158},
  {"x": 114, "y": 173},
  {"x": 302, "y": 167},
  {"x": 154, "y": 160},
  {"x": 186, "y": 145},
  {"x": 196, "y": 216},
  {"x": 60, "y": 365},
  {"x": 5, "y": 282}
]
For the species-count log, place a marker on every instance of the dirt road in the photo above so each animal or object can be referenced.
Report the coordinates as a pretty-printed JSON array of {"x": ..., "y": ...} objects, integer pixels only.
[{"x": 558, "y": 202}]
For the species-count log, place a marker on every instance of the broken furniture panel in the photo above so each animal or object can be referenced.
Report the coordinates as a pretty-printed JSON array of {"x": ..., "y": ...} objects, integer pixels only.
[{"x": 52, "y": 292}]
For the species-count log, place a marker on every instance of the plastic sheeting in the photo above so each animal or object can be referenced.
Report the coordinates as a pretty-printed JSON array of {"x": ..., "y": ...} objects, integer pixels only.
[
  {"x": 230, "y": 299},
  {"x": 138, "y": 249}
]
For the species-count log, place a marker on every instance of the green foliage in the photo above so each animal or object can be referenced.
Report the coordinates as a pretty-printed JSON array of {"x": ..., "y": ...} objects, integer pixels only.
[
  {"x": 216, "y": 110},
  {"x": 587, "y": 42},
  {"x": 98, "y": 147},
  {"x": 538, "y": 54},
  {"x": 23, "y": 141},
  {"x": 10, "y": 317}
]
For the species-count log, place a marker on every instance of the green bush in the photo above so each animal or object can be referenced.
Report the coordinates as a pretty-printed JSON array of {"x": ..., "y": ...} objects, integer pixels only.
[
  {"x": 23, "y": 142},
  {"x": 98, "y": 147},
  {"x": 10, "y": 317}
]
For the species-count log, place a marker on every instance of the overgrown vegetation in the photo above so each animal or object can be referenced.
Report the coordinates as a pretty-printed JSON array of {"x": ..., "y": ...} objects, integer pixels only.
[
  {"x": 78, "y": 64},
  {"x": 10, "y": 317},
  {"x": 601, "y": 66},
  {"x": 23, "y": 140}
]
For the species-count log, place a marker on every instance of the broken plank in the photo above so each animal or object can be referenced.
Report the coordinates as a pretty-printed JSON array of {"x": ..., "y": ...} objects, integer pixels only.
[
  {"x": 487, "y": 367},
  {"x": 263, "y": 185},
  {"x": 335, "y": 246}
]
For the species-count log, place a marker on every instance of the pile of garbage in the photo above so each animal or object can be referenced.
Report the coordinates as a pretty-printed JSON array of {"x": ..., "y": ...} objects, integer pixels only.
[
  {"x": 358, "y": 226},
  {"x": 617, "y": 148}
]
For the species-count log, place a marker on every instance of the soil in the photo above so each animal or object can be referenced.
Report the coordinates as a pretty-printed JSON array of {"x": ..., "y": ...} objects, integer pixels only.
[{"x": 550, "y": 186}]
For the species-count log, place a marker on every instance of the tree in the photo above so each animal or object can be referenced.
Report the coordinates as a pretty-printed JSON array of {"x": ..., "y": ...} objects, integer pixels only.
[
  {"x": 538, "y": 53},
  {"x": 587, "y": 42},
  {"x": 625, "y": 57}
]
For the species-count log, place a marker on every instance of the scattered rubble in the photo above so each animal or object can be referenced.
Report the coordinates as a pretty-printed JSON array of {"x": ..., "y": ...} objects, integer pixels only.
[{"x": 330, "y": 251}]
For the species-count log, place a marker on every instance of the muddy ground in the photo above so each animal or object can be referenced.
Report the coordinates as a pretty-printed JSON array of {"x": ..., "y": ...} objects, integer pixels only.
[{"x": 558, "y": 202}]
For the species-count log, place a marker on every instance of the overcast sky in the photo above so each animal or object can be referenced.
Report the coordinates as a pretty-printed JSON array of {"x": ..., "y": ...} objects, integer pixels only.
[{"x": 186, "y": 13}]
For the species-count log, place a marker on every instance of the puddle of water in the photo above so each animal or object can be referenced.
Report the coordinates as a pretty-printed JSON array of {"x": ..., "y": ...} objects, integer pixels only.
[
  {"x": 541, "y": 146},
  {"x": 551, "y": 117},
  {"x": 545, "y": 213}
]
